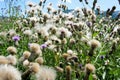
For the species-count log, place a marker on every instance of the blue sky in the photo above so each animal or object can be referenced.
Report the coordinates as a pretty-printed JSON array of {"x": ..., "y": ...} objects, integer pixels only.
[{"x": 104, "y": 4}]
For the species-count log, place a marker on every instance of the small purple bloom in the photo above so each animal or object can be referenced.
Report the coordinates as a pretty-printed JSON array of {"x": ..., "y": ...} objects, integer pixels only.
[
  {"x": 89, "y": 24},
  {"x": 80, "y": 66},
  {"x": 16, "y": 38},
  {"x": 43, "y": 46},
  {"x": 102, "y": 57}
]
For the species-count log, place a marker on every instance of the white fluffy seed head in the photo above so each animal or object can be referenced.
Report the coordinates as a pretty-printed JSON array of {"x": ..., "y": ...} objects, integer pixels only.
[
  {"x": 3, "y": 60},
  {"x": 8, "y": 72},
  {"x": 46, "y": 73},
  {"x": 26, "y": 63},
  {"x": 11, "y": 59}
]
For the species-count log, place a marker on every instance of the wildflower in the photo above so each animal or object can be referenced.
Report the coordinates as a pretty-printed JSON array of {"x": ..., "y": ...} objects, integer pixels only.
[
  {"x": 43, "y": 46},
  {"x": 8, "y": 72},
  {"x": 16, "y": 38},
  {"x": 102, "y": 57},
  {"x": 46, "y": 73},
  {"x": 12, "y": 50}
]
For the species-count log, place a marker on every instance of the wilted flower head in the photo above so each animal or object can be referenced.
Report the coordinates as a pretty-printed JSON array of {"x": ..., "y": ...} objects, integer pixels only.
[
  {"x": 12, "y": 50},
  {"x": 8, "y": 72},
  {"x": 16, "y": 38},
  {"x": 46, "y": 73}
]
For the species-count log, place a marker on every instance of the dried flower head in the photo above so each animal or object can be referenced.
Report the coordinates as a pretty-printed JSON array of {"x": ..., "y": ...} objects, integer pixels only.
[
  {"x": 65, "y": 55},
  {"x": 94, "y": 43},
  {"x": 89, "y": 68},
  {"x": 12, "y": 59},
  {"x": 46, "y": 73},
  {"x": 8, "y": 72},
  {"x": 12, "y": 50},
  {"x": 39, "y": 60},
  {"x": 27, "y": 32},
  {"x": 34, "y": 47},
  {"x": 34, "y": 67},
  {"x": 59, "y": 69},
  {"x": 26, "y": 63},
  {"x": 26, "y": 54},
  {"x": 3, "y": 60}
]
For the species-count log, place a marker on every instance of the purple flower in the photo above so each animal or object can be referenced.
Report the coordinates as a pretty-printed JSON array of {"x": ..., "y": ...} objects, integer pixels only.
[
  {"x": 89, "y": 24},
  {"x": 16, "y": 38},
  {"x": 43, "y": 46},
  {"x": 102, "y": 56},
  {"x": 80, "y": 66}
]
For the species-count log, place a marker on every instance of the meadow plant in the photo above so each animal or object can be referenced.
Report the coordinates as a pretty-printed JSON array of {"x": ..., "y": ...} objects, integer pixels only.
[{"x": 56, "y": 45}]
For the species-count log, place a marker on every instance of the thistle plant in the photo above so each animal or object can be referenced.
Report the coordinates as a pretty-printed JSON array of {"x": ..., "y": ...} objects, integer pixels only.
[{"x": 55, "y": 45}]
